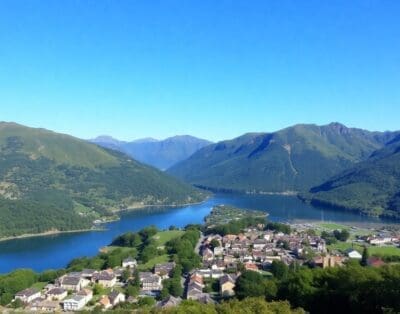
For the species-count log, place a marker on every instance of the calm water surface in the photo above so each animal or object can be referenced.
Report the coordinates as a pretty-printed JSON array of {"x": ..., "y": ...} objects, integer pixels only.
[{"x": 40, "y": 253}]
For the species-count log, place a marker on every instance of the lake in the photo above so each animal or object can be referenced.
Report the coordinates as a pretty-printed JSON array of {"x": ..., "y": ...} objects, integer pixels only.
[{"x": 55, "y": 251}]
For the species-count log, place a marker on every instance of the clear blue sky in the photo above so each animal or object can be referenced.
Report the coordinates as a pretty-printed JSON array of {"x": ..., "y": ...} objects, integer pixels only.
[{"x": 213, "y": 69}]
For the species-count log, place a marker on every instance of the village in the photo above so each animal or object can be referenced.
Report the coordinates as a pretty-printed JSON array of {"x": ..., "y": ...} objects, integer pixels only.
[{"x": 224, "y": 256}]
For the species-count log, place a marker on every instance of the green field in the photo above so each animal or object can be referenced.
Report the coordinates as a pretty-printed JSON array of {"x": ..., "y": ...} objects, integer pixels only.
[
  {"x": 373, "y": 250},
  {"x": 163, "y": 237},
  {"x": 156, "y": 260}
]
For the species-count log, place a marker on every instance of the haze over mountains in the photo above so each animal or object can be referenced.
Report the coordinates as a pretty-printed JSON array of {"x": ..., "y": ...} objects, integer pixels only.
[
  {"x": 51, "y": 181},
  {"x": 161, "y": 154}
]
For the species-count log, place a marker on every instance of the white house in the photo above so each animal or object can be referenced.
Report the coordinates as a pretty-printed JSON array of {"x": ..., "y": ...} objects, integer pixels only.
[
  {"x": 116, "y": 297},
  {"x": 129, "y": 262},
  {"x": 56, "y": 294},
  {"x": 354, "y": 254},
  {"x": 27, "y": 295},
  {"x": 76, "y": 303}
]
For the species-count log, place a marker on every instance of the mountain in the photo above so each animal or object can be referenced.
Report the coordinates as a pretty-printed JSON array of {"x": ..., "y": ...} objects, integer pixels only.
[
  {"x": 160, "y": 154},
  {"x": 293, "y": 159},
  {"x": 371, "y": 187},
  {"x": 51, "y": 181}
]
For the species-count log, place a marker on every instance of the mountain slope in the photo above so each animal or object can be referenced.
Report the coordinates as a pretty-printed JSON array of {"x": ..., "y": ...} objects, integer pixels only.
[
  {"x": 371, "y": 187},
  {"x": 160, "y": 154},
  {"x": 292, "y": 159},
  {"x": 53, "y": 181}
]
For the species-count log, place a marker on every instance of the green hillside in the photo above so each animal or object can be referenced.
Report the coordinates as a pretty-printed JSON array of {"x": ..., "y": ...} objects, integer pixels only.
[
  {"x": 50, "y": 181},
  {"x": 371, "y": 187},
  {"x": 292, "y": 159}
]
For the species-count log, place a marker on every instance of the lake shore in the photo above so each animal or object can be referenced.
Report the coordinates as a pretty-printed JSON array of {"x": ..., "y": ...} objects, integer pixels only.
[
  {"x": 134, "y": 208},
  {"x": 49, "y": 233}
]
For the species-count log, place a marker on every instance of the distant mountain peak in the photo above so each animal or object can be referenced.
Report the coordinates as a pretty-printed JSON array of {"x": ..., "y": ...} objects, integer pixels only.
[
  {"x": 104, "y": 138},
  {"x": 158, "y": 153},
  {"x": 338, "y": 127}
]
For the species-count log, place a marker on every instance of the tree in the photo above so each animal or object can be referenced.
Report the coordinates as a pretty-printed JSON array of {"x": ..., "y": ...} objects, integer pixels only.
[
  {"x": 279, "y": 269},
  {"x": 146, "y": 301},
  {"x": 125, "y": 275},
  {"x": 364, "y": 258},
  {"x": 132, "y": 290},
  {"x": 214, "y": 243},
  {"x": 6, "y": 298},
  {"x": 98, "y": 289},
  {"x": 250, "y": 284},
  {"x": 342, "y": 235}
]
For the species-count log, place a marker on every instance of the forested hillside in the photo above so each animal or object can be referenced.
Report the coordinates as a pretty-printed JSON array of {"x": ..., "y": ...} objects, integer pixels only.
[
  {"x": 293, "y": 159},
  {"x": 371, "y": 187},
  {"x": 51, "y": 181}
]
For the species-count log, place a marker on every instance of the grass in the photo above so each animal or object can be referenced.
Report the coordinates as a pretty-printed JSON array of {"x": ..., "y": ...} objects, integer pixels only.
[
  {"x": 39, "y": 285},
  {"x": 163, "y": 237},
  {"x": 332, "y": 226},
  {"x": 373, "y": 250},
  {"x": 156, "y": 260},
  {"x": 109, "y": 249}
]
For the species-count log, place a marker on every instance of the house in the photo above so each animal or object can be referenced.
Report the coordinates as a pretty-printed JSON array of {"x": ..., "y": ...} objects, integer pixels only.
[
  {"x": 129, "y": 262},
  {"x": 354, "y": 254},
  {"x": 87, "y": 294},
  {"x": 259, "y": 244},
  {"x": 56, "y": 294},
  {"x": 216, "y": 273},
  {"x": 150, "y": 281},
  {"x": 194, "y": 291},
  {"x": 205, "y": 298},
  {"x": 164, "y": 269},
  {"x": 218, "y": 251},
  {"x": 251, "y": 266},
  {"x": 207, "y": 254},
  {"x": 46, "y": 306},
  {"x": 73, "y": 283},
  {"x": 27, "y": 295},
  {"x": 88, "y": 273},
  {"x": 116, "y": 297},
  {"x": 197, "y": 278},
  {"x": 106, "y": 278},
  {"x": 105, "y": 302},
  {"x": 171, "y": 301},
  {"x": 328, "y": 261},
  {"x": 227, "y": 284},
  {"x": 75, "y": 303},
  {"x": 380, "y": 241}
]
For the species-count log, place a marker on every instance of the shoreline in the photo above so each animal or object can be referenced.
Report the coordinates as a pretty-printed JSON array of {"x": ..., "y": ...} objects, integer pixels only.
[{"x": 49, "y": 233}]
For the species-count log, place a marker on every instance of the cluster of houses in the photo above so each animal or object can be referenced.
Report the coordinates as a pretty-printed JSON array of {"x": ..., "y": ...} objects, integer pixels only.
[
  {"x": 256, "y": 250},
  {"x": 223, "y": 259},
  {"x": 73, "y": 291}
]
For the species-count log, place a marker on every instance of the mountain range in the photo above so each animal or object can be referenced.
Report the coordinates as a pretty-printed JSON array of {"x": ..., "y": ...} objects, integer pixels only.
[
  {"x": 161, "y": 154},
  {"x": 51, "y": 181},
  {"x": 293, "y": 159},
  {"x": 55, "y": 182}
]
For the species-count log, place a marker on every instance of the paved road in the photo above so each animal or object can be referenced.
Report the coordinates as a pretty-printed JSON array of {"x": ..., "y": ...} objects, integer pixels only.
[{"x": 197, "y": 247}]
